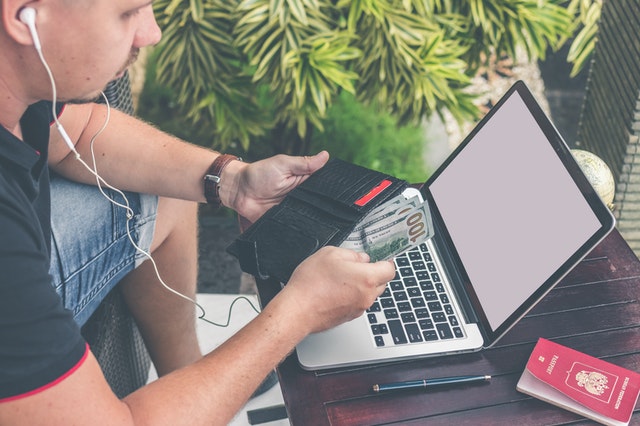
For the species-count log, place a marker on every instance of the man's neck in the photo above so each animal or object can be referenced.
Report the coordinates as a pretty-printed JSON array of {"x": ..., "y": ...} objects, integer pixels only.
[
  {"x": 15, "y": 80},
  {"x": 11, "y": 108}
]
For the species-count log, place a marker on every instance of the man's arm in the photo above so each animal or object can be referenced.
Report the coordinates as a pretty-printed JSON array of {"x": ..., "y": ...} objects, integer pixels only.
[
  {"x": 330, "y": 287},
  {"x": 131, "y": 155},
  {"x": 135, "y": 156}
]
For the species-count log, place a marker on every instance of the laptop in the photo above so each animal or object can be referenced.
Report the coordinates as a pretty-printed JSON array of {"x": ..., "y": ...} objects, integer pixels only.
[{"x": 512, "y": 213}]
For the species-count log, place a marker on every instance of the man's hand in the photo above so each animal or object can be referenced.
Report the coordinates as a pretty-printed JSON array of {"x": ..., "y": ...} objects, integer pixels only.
[
  {"x": 336, "y": 285},
  {"x": 257, "y": 187}
]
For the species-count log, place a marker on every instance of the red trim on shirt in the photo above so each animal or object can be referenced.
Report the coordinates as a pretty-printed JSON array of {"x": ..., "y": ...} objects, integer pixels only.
[
  {"x": 59, "y": 114},
  {"x": 55, "y": 382}
]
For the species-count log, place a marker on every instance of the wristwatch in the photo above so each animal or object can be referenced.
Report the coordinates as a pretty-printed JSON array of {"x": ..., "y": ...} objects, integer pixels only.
[{"x": 212, "y": 178}]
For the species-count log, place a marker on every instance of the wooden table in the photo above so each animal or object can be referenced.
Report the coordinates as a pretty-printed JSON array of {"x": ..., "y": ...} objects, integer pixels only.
[{"x": 594, "y": 309}]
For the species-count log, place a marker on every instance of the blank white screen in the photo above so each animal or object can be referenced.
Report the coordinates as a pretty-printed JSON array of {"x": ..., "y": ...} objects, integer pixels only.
[{"x": 513, "y": 212}]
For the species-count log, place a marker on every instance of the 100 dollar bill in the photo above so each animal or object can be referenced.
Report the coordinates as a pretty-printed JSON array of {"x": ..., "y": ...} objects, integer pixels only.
[
  {"x": 392, "y": 229},
  {"x": 385, "y": 213},
  {"x": 411, "y": 227}
]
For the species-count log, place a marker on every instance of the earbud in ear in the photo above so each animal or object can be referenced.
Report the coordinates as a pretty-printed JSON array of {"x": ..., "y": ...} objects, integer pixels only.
[{"x": 28, "y": 16}]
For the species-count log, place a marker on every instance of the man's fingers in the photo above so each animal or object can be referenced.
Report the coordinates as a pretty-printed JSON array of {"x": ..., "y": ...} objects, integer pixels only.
[
  {"x": 383, "y": 269},
  {"x": 387, "y": 269},
  {"x": 312, "y": 163},
  {"x": 362, "y": 257}
]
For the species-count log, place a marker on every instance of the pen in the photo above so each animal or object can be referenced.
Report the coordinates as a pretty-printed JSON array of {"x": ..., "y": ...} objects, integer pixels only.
[{"x": 427, "y": 383}]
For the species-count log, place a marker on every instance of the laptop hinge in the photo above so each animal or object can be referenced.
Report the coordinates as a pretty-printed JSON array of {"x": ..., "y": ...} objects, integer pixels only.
[{"x": 456, "y": 279}]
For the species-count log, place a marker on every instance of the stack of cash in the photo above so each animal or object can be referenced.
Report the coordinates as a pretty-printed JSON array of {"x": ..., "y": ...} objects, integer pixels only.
[{"x": 392, "y": 228}]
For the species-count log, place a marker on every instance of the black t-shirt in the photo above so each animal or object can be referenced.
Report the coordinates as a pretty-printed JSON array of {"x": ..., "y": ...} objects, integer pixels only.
[{"x": 39, "y": 340}]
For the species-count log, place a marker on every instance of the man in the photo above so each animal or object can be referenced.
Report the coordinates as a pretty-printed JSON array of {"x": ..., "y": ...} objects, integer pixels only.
[{"x": 81, "y": 248}]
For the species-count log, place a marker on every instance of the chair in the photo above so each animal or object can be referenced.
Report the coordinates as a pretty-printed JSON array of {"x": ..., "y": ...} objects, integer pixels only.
[{"x": 609, "y": 123}]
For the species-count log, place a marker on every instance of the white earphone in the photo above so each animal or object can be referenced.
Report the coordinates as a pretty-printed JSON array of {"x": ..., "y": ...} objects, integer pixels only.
[{"x": 28, "y": 16}]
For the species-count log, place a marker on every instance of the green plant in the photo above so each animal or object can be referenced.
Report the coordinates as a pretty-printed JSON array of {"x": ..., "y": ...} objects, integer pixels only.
[
  {"x": 273, "y": 67},
  {"x": 370, "y": 138},
  {"x": 586, "y": 30}
]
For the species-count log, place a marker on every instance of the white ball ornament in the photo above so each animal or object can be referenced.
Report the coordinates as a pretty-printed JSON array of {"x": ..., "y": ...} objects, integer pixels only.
[{"x": 598, "y": 174}]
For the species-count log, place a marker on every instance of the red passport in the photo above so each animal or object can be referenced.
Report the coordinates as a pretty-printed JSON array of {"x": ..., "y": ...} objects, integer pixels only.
[{"x": 596, "y": 389}]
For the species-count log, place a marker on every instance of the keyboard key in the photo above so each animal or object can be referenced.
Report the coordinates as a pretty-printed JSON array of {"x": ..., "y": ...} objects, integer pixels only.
[
  {"x": 409, "y": 317},
  {"x": 397, "y": 332},
  {"x": 406, "y": 272},
  {"x": 372, "y": 318},
  {"x": 403, "y": 306},
  {"x": 444, "y": 298},
  {"x": 423, "y": 275},
  {"x": 390, "y": 314},
  {"x": 425, "y": 324},
  {"x": 453, "y": 320},
  {"x": 435, "y": 277},
  {"x": 426, "y": 285},
  {"x": 414, "y": 255},
  {"x": 379, "y": 341},
  {"x": 423, "y": 247},
  {"x": 444, "y": 332},
  {"x": 418, "y": 303},
  {"x": 430, "y": 335},
  {"x": 438, "y": 317},
  {"x": 430, "y": 295},
  {"x": 448, "y": 310},
  {"x": 402, "y": 261},
  {"x": 400, "y": 296},
  {"x": 387, "y": 302},
  {"x": 431, "y": 267},
  {"x": 410, "y": 281},
  {"x": 440, "y": 287},
  {"x": 386, "y": 293},
  {"x": 396, "y": 285},
  {"x": 434, "y": 306},
  {"x": 378, "y": 329},
  {"x": 419, "y": 265},
  {"x": 422, "y": 313},
  {"x": 458, "y": 332},
  {"x": 413, "y": 333},
  {"x": 375, "y": 307},
  {"x": 414, "y": 292}
]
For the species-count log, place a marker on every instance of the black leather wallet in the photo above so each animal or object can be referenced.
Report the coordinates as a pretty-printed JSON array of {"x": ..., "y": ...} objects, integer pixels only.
[{"x": 323, "y": 210}]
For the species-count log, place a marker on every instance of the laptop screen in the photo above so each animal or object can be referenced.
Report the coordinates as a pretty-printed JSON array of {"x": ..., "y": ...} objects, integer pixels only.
[{"x": 514, "y": 211}]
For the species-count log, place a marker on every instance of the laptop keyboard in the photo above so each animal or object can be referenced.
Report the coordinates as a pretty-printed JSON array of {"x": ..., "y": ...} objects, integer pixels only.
[{"x": 415, "y": 307}]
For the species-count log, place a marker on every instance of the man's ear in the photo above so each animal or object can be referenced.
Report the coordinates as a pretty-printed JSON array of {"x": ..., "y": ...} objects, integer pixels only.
[{"x": 15, "y": 28}]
